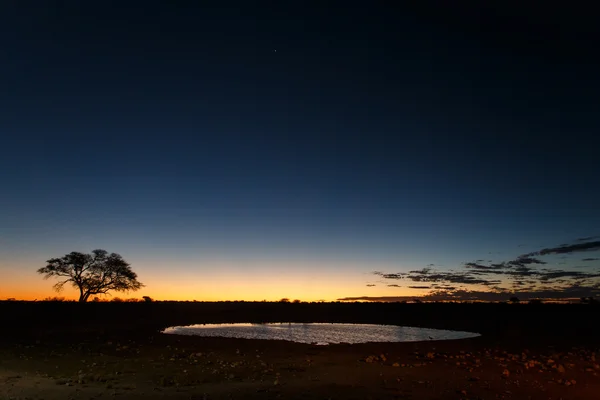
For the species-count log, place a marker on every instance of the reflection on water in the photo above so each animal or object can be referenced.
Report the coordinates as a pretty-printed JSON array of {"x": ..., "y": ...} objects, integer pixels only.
[{"x": 320, "y": 333}]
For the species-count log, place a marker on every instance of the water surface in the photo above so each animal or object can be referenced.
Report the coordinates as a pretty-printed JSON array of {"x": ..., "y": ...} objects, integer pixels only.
[{"x": 319, "y": 333}]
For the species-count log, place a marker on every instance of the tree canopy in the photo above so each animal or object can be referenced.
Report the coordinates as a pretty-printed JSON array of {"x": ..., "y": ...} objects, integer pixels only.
[{"x": 92, "y": 274}]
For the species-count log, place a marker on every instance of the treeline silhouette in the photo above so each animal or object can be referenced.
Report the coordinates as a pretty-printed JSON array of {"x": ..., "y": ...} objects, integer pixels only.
[{"x": 532, "y": 323}]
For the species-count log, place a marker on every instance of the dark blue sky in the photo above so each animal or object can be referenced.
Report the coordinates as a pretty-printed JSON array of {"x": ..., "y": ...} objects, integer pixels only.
[{"x": 294, "y": 132}]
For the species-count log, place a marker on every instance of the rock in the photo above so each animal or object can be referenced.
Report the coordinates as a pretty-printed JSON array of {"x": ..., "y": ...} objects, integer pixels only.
[
  {"x": 382, "y": 357},
  {"x": 371, "y": 359},
  {"x": 395, "y": 365},
  {"x": 506, "y": 373},
  {"x": 430, "y": 355},
  {"x": 560, "y": 368}
]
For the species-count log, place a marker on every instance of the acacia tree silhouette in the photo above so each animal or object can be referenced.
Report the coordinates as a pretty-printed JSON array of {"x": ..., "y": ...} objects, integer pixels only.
[{"x": 96, "y": 273}]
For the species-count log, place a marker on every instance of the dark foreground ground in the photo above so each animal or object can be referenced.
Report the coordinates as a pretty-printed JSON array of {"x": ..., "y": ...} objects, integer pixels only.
[{"x": 115, "y": 350}]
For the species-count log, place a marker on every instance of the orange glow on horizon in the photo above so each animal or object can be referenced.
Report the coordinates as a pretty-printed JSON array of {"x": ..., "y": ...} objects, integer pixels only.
[
  {"x": 269, "y": 291},
  {"x": 217, "y": 281}
]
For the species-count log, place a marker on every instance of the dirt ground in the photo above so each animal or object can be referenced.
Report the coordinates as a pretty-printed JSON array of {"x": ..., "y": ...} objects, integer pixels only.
[
  {"x": 159, "y": 366},
  {"x": 114, "y": 351}
]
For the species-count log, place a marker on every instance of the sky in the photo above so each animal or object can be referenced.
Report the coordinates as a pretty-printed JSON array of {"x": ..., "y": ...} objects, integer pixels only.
[{"x": 308, "y": 150}]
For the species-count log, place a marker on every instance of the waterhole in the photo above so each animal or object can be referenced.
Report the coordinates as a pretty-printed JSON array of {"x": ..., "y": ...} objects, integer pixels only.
[{"x": 320, "y": 333}]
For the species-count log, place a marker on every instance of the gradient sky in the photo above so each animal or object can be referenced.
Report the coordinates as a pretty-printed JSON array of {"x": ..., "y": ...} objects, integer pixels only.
[{"x": 290, "y": 151}]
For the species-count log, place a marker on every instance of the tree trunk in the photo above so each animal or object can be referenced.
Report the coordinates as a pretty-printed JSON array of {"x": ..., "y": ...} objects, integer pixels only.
[{"x": 84, "y": 295}]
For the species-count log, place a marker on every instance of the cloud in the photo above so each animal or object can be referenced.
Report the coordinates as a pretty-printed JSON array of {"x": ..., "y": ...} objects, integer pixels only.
[
  {"x": 555, "y": 274},
  {"x": 389, "y": 299},
  {"x": 525, "y": 260},
  {"x": 574, "y": 292},
  {"x": 523, "y": 273},
  {"x": 422, "y": 271},
  {"x": 390, "y": 276},
  {"x": 585, "y": 239},
  {"x": 394, "y": 285},
  {"x": 370, "y": 285},
  {"x": 426, "y": 275},
  {"x": 565, "y": 249},
  {"x": 484, "y": 267}
]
